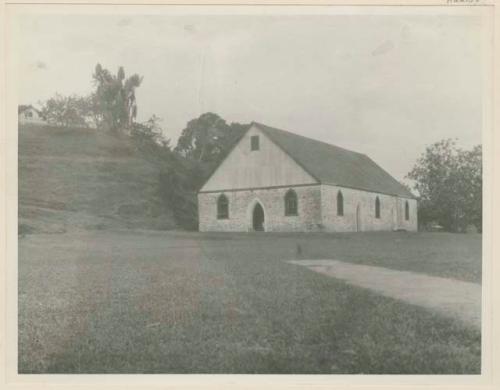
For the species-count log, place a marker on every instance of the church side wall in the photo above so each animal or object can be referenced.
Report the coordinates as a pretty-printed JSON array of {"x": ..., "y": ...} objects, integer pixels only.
[
  {"x": 392, "y": 211},
  {"x": 412, "y": 223},
  {"x": 241, "y": 204}
]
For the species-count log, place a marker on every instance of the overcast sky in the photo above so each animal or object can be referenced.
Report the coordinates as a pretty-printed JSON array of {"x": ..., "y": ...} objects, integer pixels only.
[{"x": 382, "y": 85}]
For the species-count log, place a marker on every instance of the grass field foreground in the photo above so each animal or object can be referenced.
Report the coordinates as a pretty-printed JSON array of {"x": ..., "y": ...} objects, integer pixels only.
[{"x": 159, "y": 302}]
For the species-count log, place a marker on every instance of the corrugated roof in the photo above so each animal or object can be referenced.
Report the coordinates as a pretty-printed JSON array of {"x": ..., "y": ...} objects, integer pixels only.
[{"x": 331, "y": 164}]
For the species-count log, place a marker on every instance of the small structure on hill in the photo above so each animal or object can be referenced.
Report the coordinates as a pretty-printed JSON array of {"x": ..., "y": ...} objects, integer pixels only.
[
  {"x": 30, "y": 115},
  {"x": 274, "y": 180}
]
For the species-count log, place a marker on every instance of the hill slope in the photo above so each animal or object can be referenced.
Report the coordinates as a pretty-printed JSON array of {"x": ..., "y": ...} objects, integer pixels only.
[{"x": 85, "y": 179}]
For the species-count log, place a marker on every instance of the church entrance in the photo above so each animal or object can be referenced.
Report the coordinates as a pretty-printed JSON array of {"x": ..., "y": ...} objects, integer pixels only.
[{"x": 258, "y": 218}]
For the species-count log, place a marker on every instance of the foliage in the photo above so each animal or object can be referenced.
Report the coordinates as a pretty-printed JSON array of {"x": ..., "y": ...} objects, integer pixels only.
[
  {"x": 203, "y": 144},
  {"x": 207, "y": 138},
  {"x": 96, "y": 115},
  {"x": 68, "y": 111},
  {"x": 149, "y": 134},
  {"x": 178, "y": 177},
  {"x": 176, "y": 186},
  {"x": 112, "y": 105},
  {"x": 22, "y": 107},
  {"x": 114, "y": 98},
  {"x": 449, "y": 183}
]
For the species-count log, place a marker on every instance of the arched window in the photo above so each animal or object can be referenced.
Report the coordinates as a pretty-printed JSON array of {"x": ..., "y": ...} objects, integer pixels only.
[
  {"x": 377, "y": 207},
  {"x": 291, "y": 203},
  {"x": 340, "y": 203},
  {"x": 222, "y": 207},
  {"x": 407, "y": 211}
]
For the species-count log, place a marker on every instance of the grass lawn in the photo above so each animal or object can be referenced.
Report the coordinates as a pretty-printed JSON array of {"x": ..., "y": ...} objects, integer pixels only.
[
  {"x": 448, "y": 255},
  {"x": 163, "y": 302}
]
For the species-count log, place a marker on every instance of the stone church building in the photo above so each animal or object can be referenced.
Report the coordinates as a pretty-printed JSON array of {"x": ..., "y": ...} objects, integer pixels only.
[{"x": 273, "y": 180}]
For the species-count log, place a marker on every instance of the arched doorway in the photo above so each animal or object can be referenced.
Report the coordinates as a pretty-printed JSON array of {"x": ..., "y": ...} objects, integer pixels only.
[
  {"x": 358, "y": 218},
  {"x": 258, "y": 218}
]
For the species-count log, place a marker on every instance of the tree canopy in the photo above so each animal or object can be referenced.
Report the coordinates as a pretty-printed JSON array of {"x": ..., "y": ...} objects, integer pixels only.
[
  {"x": 69, "y": 111},
  {"x": 112, "y": 105},
  {"x": 114, "y": 99},
  {"x": 208, "y": 138},
  {"x": 448, "y": 180}
]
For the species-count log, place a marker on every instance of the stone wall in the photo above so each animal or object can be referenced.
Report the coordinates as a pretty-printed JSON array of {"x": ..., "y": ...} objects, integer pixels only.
[
  {"x": 392, "y": 211},
  {"x": 412, "y": 223},
  {"x": 317, "y": 210},
  {"x": 242, "y": 203}
]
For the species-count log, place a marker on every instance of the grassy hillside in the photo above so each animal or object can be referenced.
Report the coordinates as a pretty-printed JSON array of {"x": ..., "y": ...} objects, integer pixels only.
[{"x": 85, "y": 179}]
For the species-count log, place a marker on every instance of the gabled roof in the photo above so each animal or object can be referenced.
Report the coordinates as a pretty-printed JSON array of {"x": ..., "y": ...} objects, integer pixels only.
[
  {"x": 331, "y": 164},
  {"x": 21, "y": 108}
]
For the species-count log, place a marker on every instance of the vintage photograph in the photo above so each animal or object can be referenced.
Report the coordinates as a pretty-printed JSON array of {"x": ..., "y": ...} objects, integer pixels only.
[{"x": 250, "y": 190}]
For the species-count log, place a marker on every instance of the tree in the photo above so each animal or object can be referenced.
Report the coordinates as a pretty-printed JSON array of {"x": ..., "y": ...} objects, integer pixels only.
[
  {"x": 68, "y": 111},
  {"x": 149, "y": 134},
  {"x": 114, "y": 98},
  {"x": 178, "y": 176},
  {"x": 96, "y": 116},
  {"x": 203, "y": 143},
  {"x": 449, "y": 183},
  {"x": 207, "y": 138},
  {"x": 200, "y": 139}
]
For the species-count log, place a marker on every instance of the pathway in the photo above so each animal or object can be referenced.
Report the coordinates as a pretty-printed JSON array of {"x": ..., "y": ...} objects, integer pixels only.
[{"x": 450, "y": 297}]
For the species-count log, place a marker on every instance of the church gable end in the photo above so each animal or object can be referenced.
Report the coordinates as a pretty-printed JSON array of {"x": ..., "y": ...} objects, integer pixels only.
[{"x": 257, "y": 162}]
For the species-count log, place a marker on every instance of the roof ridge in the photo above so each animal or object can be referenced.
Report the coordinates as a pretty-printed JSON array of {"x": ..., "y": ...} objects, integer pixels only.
[
  {"x": 307, "y": 138},
  {"x": 329, "y": 163}
]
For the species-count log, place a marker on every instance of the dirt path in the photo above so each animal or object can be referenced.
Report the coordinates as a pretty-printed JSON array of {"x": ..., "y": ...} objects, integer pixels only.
[{"x": 450, "y": 297}]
